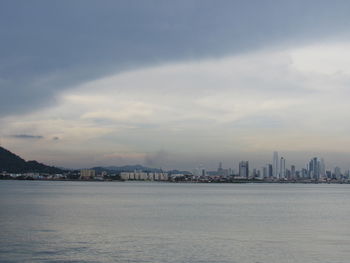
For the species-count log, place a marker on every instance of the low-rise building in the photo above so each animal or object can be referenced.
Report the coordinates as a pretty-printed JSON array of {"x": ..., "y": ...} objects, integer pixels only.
[
  {"x": 144, "y": 176},
  {"x": 86, "y": 174}
]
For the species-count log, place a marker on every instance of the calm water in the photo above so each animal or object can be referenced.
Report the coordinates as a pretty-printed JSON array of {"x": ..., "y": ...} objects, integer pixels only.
[{"x": 162, "y": 222}]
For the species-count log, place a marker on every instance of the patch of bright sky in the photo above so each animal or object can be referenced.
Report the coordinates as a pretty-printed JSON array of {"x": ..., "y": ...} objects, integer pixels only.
[{"x": 293, "y": 100}]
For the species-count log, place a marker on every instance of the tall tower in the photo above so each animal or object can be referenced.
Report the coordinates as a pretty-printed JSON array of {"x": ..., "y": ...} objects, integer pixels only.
[
  {"x": 282, "y": 173},
  {"x": 270, "y": 170},
  {"x": 322, "y": 169},
  {"x": 314, "y": 166},
  {"x": 220, "y": 167},
  {"x": 275, "y": 165},
  {"x": 244, "y": 169},
  {"x": 292, "y": 172}
]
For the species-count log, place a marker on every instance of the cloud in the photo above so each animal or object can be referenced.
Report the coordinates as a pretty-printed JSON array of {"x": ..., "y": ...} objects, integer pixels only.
[
  {"x": 123, "y": 111},
  {"x": 38, "y": 64},
  {"x": 27, "y": 136},
  {"x": 197, "y": 111}
]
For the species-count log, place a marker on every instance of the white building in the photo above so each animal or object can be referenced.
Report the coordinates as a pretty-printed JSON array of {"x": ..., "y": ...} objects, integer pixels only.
[{"x": 143, "y": 176}]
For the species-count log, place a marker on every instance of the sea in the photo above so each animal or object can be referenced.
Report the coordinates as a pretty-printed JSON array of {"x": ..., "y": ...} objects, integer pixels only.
[{"x": 71, "y": 221}]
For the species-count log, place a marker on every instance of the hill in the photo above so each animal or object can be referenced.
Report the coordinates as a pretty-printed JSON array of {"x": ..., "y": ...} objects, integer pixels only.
[{"x": 11, "y": 163}]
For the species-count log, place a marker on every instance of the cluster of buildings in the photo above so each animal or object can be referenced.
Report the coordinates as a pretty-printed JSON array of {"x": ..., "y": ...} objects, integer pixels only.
[
  {"x": 32, "y": 176},
  {"x": 137, "y": 175},
  {"x": 315, "y": 170},
  {"x": 144, "y": 176},
  {"x": 277, "y": 171}
]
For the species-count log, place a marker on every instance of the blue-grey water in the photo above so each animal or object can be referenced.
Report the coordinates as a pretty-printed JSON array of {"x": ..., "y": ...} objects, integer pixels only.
[{"x": 167, "y": 222}]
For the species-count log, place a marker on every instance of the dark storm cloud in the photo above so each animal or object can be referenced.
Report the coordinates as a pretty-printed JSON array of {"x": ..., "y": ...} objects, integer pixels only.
[
  {"x": 47, "y": 46},
  {"x": 27, "y": 136}
]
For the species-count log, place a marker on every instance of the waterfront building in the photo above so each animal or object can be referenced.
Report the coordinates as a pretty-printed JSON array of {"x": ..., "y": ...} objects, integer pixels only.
[
  {"x": 337, "y": 173},
  {"x": 144, "y": 176},
  {"x": 275, "y": 164},
  {"x": 244, "y": 169},
  {"x": 220, "y": 167},
  {"x": 282, "y": 173},
  {"x": 264, "y": 173},
  {"x": 86, "y": 174},
  {"x": 288, "y": 174},
  {"x": 304, "y": 173},
  {"x": 270, "y": 170},
  {"x": 322, "y": 169},
  {"x": 292, "y": 172},
  {"x": 314, "y": 169}
]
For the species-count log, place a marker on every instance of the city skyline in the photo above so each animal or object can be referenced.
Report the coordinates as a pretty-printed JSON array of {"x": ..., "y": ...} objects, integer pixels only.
[
  {"x": 315, "y": 167},
  {"x": 278, "y": 168},
  {"x": 175, "y": 84},
  {"x": 315, "y": 171}
]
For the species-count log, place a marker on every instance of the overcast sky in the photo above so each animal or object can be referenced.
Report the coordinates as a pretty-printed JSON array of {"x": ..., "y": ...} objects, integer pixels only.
[{"x": 175, "y": 84}]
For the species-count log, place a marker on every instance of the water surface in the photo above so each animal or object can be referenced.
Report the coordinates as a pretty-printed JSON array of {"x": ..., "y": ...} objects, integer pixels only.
[{"x": 167, "y": 222}]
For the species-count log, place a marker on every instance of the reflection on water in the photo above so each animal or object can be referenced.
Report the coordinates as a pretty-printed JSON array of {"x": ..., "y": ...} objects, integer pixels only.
[{"x": 161, "y": 222}]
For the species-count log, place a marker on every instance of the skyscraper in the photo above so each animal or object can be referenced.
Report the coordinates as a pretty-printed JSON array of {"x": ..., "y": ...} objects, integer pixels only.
[
  {"x": 282, "y": 173},
  {"x": 322, "y": 169},
  {"x": 275, "y": 165},
  {"x": 244, "y": 169},
  {"x": 314, "y": 166},
  {"x": 292, "y": 172},
  {"x": 270, "y": 170},
  {"x": 220, "y": 167},
  {"x": 337, "y": 173},
  {"x": 264, "y": 172}
]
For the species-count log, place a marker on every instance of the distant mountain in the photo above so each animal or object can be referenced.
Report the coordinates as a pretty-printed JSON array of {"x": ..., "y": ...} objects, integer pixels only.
[
  {"x": 11, "y": 163},
  {"x": 126, "y": 168}
]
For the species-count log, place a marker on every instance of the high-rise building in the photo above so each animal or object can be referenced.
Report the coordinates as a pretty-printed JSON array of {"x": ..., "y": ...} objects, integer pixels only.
[
  {"x": 275, "y": 165},
  {"x": 244, "y": 169},
  {"x": 282, "y": 173},
  {"x": 304, "y": 173},
  {"x": 337, "y": 173},
  {"x": 292, "y": 172},
  {"x": 264, "y": 172},
  {"x": 347, "y": 174},
  {"x": 220, "y": 167},
  {"x": 322, "y": 169},
  {"x": 314, "y": 171},
  {"x": 288, "y": 174},
  {"x": 270, "y": 170}
]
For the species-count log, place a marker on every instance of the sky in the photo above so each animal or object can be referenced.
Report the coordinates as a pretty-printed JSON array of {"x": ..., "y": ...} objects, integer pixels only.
[{"x": 175, "y": 84}]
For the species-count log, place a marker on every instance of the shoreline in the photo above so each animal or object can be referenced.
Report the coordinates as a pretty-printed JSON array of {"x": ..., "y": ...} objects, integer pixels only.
[{"x": 179, "y": 182}]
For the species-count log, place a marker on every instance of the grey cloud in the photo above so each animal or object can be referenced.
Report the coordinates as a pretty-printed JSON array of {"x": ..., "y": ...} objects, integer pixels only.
[
  {"x": 48, "y": 46},
  {"x": 263, "y": 122},
  {"x": 27, "y": 136}
]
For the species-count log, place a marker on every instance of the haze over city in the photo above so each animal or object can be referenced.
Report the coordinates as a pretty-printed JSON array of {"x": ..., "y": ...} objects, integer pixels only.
[{"x": 175, "y": 84}]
